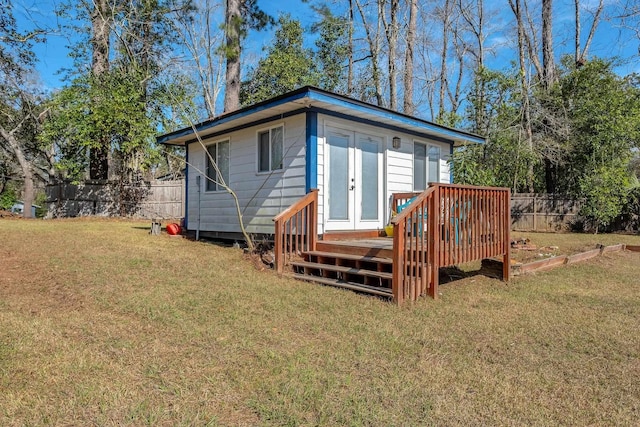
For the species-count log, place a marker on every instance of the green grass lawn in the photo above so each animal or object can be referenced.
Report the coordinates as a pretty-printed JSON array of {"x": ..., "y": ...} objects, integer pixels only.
[{"x": 103, "y": 324}]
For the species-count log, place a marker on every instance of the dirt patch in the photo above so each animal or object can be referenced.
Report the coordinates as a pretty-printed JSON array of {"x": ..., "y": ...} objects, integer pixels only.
[
  {"x": 535, "y": 247},
  {"x": 9, "y": 215}
]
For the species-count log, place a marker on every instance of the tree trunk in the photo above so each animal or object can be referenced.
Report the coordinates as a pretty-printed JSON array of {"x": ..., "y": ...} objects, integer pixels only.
[
  {"x": 548, "y": 62},
  {"x": 100, "y": 19},
  {"x": 391, "y": 30},
  {"x": 516, "y": 7},
  {"x": 577, "y": 52},
  {"x": 374, "y": 49},
  {"x": 350, "y": 70},
  {"x": 443, "y": 80},
  {"x": 408, "y": 106},
  {"x": 28, "y": 191},
  {"x": 581, "y": 53},
  {"x": 474, "y": 17},
  {"x": 233, "y": 20}
]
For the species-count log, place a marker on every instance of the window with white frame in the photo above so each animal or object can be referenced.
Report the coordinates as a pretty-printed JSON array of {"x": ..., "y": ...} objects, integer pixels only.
[
  {"x": 219, "y": 172},
  {"x": 270, "y": 149},
  {"x": 426, "y": 165}
]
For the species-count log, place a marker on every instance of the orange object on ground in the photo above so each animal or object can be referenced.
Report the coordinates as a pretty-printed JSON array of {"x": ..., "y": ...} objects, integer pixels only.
[{"x": 173, "y": 229}]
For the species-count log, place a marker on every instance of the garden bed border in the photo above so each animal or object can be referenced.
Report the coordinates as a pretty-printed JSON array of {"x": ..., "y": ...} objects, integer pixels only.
[{"x": 549, "y": 263}]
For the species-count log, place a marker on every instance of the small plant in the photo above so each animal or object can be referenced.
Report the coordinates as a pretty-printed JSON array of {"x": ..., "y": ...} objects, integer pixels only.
[{"x": 8, "y": 198}]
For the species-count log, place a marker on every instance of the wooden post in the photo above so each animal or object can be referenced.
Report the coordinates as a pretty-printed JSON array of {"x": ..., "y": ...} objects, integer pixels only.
[
  {"x": 156, "y": 226},
  {"x": 398, "y": 262},
  {"x": 313, "y": 231},
  {"x": 434, "y": 243},
  {"x": 535, "y": 214},
  {"x": 506, "y": 260},
  {"x": 278, "y": 249}
]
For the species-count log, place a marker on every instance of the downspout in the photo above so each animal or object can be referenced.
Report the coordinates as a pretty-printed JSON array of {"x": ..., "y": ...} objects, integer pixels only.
[{"x": 198, "y": 224}]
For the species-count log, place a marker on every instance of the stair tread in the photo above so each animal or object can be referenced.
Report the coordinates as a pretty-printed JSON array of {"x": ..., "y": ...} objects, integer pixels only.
[
  {"x": 385, "y": 292},
  {"x": 351, "y": 257},
  {"x": 344, "y": 269}
]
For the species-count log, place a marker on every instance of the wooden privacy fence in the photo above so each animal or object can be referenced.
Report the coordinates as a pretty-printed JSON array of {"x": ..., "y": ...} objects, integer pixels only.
[
  {"x": 543, "y": 212},
  {"x": 148, "y": 199},
  {"x": 447, "y": 225},
  {"x": 296, "y": 230}
]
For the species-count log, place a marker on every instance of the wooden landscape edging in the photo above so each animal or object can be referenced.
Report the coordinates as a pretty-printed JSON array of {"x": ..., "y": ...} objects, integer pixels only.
[
  {"x": 543, "y": 264},
  {"x": 549, "y": 263},
  {"x": 583, "y": 256}
]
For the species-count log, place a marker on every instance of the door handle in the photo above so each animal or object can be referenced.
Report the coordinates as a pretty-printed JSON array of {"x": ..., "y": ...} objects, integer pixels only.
[{"x": 352, "y": 187}]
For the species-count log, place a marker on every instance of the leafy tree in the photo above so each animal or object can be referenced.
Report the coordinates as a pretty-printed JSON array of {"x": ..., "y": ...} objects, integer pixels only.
[
  {"x": 602, "y": 112},
  {"x": 19, "y": 103},
  {"x": 287, "y": 66},
  {"x": 8, "y": 197},
  {"x": 116, "y": 108},
  {"x": 332, "y": 49},
  {"x": 506, "y": 158}
]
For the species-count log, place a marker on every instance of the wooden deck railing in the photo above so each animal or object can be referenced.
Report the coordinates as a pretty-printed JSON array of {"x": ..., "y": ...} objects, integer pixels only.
[
  {"x": 413, "y": 266},
  {"x": 399, "y": 199},
  {"x": 296, "y": 230},
  {"x": 446, "y": 225}
]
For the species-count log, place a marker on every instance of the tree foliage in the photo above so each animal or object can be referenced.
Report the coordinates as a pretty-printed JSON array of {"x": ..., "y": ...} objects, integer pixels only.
[
  {"x": 20, "y": 106},
  {"x": 603, "y": 115},
  {"x": 287, "y": 66},
  {"x": 121, "y": 108},
  {"x": 332, "y": 51}
]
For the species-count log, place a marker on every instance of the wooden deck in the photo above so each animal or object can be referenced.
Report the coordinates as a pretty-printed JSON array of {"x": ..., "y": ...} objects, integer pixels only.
[
  {"x": 373, "y": 247},
  {"x": 443, "y": 226}
]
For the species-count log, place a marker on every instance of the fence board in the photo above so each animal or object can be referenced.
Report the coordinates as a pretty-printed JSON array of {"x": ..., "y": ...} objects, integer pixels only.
[
  {"x": 150, "y": 199},
  {"x": 543, "y": 212}
]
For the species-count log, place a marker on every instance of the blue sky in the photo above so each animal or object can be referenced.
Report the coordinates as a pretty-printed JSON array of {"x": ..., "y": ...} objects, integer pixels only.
[{"x": 54, "y": 54}]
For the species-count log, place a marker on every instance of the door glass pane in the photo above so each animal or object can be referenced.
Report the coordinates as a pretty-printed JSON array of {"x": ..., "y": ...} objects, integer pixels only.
[
  {"x": 434, "y": 163},
  {"x": 369, "y": 179},
  {"x": 338, "y": 177},
  {"x": 419, "y": 166}
]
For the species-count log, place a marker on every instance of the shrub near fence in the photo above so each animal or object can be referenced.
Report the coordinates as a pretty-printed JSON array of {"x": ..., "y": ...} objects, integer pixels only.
[
  {"x": 148, "y": 199},
  {"x": 543, "y": 212}
]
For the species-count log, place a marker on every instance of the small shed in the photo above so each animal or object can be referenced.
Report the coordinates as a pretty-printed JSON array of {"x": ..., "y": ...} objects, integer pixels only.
[
  {"x": 18, "y": 208},
  {"x": 356, "y": 155}
]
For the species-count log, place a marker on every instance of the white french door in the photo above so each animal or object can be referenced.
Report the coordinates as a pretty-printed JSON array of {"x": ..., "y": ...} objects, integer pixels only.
[{"x": 354, "y": 181}]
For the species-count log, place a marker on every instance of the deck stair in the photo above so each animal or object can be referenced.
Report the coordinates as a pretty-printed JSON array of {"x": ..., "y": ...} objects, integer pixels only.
[
  {"x": 444, "y": 225},
  {"x": 361, "y": 273}
]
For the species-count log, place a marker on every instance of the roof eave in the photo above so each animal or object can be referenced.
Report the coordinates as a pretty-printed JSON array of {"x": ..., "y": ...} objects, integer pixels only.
[{"x": 181, "y": 136}]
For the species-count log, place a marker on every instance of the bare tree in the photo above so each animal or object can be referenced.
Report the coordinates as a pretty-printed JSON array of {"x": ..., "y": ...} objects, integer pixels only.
[
  {"x": 581, "y": 53},
  {"x": 473, "y": 14},
  {"x": 531, "y": 39},
  {"x": 373, "y": 39},
  {"x": 391, "y": 31},
  {"x": 101, "y": 16},
  {"x": 16, "y": 147},
  {"x": 351, "y": 51},
  {"x": 409, "y": 106},
  {"x": 445, "y": 16},
  {"x": 199, "y": 33},
  {"x": 548, "y": 61},
  {"x": 516, "y": 7}
]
